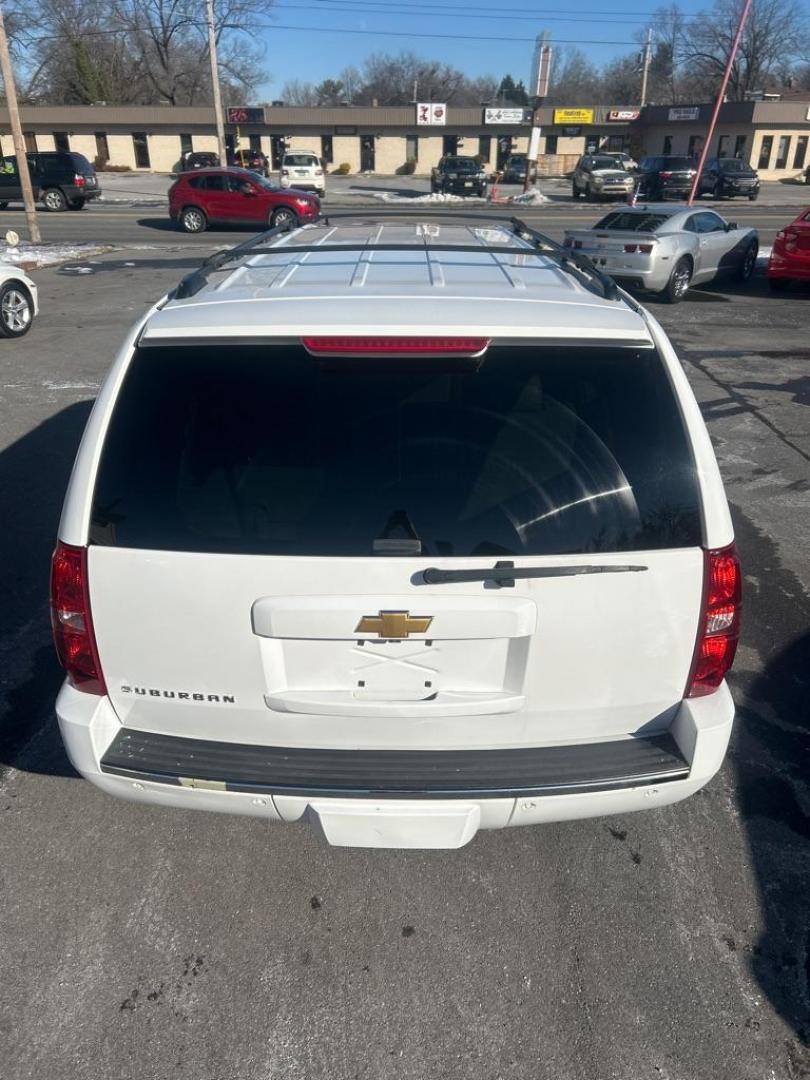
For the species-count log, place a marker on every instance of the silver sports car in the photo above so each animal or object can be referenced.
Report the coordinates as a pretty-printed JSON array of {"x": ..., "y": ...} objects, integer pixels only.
[{"x": 665, "y": 248}]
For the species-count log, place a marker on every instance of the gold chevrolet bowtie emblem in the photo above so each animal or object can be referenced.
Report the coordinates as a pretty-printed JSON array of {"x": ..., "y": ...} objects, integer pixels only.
[{"x": 394, "y": 624}]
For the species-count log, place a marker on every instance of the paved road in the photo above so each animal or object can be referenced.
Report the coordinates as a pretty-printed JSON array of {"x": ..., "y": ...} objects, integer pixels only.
[
  {"x": 673, "y": 945},
  {"x": 149, "y": 227}
]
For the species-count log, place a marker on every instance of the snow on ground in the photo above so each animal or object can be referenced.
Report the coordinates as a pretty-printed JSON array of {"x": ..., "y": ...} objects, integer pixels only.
[
  {"x": 433, "y": 197},
  {"x": 50, "y": 254},
  {"x": 533, "y": 197}
]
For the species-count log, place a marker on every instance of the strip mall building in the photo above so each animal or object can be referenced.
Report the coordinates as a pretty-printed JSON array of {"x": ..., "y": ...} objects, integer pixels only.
[{"x": 771, "y": 135}]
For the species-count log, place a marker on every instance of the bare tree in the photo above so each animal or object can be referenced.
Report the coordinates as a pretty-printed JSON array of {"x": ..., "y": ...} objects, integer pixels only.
[
  {"x": 296, "y": 92},
  {"x": 774, "y": 36},
  {"x": 575, "y": 80}
]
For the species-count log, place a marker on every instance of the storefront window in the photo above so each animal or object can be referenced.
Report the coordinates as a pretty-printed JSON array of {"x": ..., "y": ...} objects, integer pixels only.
[
  {"x": 695, "y": 145},
  {"x": 411, "y": 148},
  {"x": 450, "y": 144},
  {"x": 765, "y": 149},
  {"x": 255, "y": 142},
  {"x": 782, "y": 152},
  {"x": 484, "y": 147},
  {"x": 327, "y": 152},
  {"x": 61, "y": 141},
  {"x": 723, "y": 145},
  {"x": 551, "y": 144},
  {"x": 800, "y": 156},
  {"x": 186, "y": 143},
  {"x": 667, "y": 145},
  {"x": 739, "y": 146},
  {"x": 140, "y": 144},
  {"x": 102, "y": 146}
]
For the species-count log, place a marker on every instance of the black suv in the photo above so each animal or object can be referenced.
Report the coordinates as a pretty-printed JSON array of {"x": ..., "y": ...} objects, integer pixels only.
[
  {"x": 458, "y": 176},
  {"x": 661, "y": 177},
  {"x": 724, "y": 177},
  {"x": 514, "y": 171},
  {"x": 61, "y": 180}
]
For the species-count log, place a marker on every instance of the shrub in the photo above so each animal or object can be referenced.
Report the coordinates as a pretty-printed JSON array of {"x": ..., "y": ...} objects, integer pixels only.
[
  {"x": 344, "y": 168},
  {"x": 409, "y": 168},
  {"x": 114, "y": 168}
]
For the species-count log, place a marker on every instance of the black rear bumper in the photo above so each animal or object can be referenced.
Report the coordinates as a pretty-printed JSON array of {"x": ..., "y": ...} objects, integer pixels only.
[{"x": 550, "y": 770}]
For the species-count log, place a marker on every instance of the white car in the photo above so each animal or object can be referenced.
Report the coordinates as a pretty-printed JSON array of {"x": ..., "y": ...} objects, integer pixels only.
[
  {"x": 18, "y": 301},
  {"x": 403, "y": 530},
  {"x": 304, "y": 170}
]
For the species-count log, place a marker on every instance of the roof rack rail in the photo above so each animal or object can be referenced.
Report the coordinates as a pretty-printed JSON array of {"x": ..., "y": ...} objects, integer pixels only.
[
  {"x": 574, "y": 263},
  {"x": 196, "y": 280}
]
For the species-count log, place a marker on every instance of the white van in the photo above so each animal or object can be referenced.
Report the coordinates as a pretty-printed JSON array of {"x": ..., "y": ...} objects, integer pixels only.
[
  {"x": 304, "y": 170},
  {"x": 404, "y": 529}
]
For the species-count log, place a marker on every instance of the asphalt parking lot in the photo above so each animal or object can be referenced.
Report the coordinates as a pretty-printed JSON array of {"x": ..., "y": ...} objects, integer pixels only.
[{"x": 673, "y": 945}]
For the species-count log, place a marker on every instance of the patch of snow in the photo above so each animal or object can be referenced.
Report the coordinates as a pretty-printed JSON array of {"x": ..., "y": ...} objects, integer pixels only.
[
  {"x": 51, "y": 254},
  {"x": 433, "y": 197},
  {"x": 533, "y": 197}
]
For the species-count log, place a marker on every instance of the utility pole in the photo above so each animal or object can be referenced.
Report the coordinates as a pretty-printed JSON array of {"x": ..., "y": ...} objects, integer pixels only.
[
  {"x": 645, "y": 71},
  {"x": 721, "y": 93},
  {"x": 212, "y": 52},
  {"x": 17, "y": 136},
  {"x": 538, "y": 84}
]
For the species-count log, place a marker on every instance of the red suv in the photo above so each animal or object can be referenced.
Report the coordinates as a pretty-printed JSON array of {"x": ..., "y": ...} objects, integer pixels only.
[{"x": 236, "y": 197}]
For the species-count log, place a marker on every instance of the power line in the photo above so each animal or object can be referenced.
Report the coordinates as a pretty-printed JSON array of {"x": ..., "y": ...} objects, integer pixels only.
[
  {"x": 532, "y": 12},
  {"x": 447, "y": 37},
  {"x": 340, "y": 7}
]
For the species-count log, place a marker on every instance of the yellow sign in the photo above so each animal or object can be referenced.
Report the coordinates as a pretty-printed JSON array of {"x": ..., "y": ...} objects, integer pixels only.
[
  {"x": 394, "y": 624},
  {"x": 573, "y": 116}
]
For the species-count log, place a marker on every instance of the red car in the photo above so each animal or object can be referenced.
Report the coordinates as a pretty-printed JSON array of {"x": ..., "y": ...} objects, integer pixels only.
[
  {"x": 790, "y": 255},
  {"x": 236, "y": 197}
]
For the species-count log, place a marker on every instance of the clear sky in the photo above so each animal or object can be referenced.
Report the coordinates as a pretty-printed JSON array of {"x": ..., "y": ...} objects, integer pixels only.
[{"x": 334, "y": 33}]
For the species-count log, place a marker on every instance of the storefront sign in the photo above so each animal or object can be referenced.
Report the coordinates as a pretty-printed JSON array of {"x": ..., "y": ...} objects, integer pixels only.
[
  {"x": 692, "y": 112},
  {"x": 505, "y": 116},
  {"x": 573, "y": 116},
  {"x": 429, "y": 113},
  {"x": 624, "y": 114}
]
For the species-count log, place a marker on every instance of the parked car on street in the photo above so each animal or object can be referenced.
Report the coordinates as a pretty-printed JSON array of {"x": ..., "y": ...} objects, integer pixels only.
[
  {"x": 304, "y": 170},
  {"x": 665, "y": 177},
  {"x": 790, "y": 255},
  {"x": 399, "y": 570},
  {"x": 199, "y": 159},
  {"x": 254, "y": 160},
  {"x": 598, "y": 177},
  {"x": 61, "y": 180},
  {"x": 456, "y": 175},
  {"x": 665, "y": 249},
  {"x": 236, "y": 197},
  {"x": 514, "y": 169},
  {"x": 18, "y": 302},
  {"x": 726, "y": 178}
]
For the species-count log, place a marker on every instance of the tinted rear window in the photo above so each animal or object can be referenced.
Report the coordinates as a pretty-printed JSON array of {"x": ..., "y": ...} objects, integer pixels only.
[
  {"x": 263, "y": 449},
  {"x": 462, "y": 164},
  {"x": 623, "y": 221},
  {"x": 301, "y": 160},
  {"x": 81, "y": 164}
]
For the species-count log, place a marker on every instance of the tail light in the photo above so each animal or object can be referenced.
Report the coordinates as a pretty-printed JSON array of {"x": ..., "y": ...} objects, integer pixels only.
[
  {"x": 71, "y": 619},
  {"x": 719, "y": 629},
  {"x": 665, "y": 175},
  {"x": 79, "y": 180},
  {"x": 630, "y": 248},
  {"x": 319, "y": 172},
  {"x": 395, "y": 346}
]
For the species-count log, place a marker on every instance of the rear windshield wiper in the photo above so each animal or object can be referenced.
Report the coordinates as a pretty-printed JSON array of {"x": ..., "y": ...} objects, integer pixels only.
[{"x": 506, "y": 573}]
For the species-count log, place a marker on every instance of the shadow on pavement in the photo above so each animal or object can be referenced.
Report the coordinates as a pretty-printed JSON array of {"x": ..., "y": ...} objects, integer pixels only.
[
  {"x": 771, "y": 754},
  {"x": 33, "y": 476}
]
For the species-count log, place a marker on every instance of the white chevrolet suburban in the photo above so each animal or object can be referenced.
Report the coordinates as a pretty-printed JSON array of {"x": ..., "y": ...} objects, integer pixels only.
[{"x": 402, "y": 528}]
